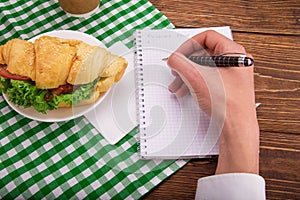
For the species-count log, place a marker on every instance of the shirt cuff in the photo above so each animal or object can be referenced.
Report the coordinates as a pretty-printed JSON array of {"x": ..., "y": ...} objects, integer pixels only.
[{"x": 231, "y": 186}]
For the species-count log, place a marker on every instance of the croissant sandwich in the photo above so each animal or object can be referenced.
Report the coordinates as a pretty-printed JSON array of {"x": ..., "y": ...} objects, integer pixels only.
[{"x": 53, "y": 72}]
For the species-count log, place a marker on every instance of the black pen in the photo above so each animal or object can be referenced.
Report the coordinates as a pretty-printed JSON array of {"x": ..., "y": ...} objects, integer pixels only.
[{"x": 222, "y": 61}]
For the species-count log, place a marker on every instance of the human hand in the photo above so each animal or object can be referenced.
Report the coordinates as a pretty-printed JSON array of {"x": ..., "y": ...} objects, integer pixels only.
[{"x": 226, "y": 94}]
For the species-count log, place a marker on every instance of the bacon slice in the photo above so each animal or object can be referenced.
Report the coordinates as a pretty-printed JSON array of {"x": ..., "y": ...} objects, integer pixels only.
[
  {"x": 6, "y": 74},
  {"x": 63, "y": 89}
]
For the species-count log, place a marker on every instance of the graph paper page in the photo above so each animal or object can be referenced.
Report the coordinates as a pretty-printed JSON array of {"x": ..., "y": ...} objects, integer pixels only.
[{"x": 169, "y": 127}]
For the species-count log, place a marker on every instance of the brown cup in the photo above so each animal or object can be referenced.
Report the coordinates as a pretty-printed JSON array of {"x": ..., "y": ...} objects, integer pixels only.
[{"x": 79, "y": 8}]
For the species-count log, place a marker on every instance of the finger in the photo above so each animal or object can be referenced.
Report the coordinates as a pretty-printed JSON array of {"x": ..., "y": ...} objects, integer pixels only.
[
  {"x": 176, "y": 84},
  {"x": 217, "y": 42},
  {"x": 185, "y": 68},
  {"x": 206, "y": 52},
  {"x": 182, "y": 91},
  {"x": 211, "y": 41},
  {"x": 174, "y": 73},
  {"x": 190, "y": 46},
  {"x": 198, "y": 80}
]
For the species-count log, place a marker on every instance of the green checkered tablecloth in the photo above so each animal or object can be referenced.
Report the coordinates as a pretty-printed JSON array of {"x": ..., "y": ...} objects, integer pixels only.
[{"x": 71, "y": 160}]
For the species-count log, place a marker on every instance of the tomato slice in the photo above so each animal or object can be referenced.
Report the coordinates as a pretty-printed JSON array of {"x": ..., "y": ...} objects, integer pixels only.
[{"x": 6, "y": 74}]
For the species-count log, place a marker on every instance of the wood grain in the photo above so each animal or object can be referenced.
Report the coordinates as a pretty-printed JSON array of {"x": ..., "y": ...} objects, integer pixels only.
[
  {"x": 277, "y": 79},
  {"x": 182, "y": 185},
  {"x": 256, "y": 16},
  {"x": 270, "y": 31}
]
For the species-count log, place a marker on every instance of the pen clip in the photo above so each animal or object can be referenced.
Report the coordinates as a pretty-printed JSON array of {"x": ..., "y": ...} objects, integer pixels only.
[
  {"x": 221, "y": 54},
  {"x": 231, "y": 53}
]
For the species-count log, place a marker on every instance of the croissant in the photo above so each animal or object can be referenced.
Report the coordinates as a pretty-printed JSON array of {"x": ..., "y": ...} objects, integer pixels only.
[
  {"x": 53, "y": 62},
  {"x": 19, "y": 57}
]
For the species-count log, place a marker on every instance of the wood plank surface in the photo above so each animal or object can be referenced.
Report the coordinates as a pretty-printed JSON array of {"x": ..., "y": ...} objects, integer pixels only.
[
  {"x": 277, "y": 79},
  {"x": 256, "y": 16},
  {"x": 270, "y": 31}
]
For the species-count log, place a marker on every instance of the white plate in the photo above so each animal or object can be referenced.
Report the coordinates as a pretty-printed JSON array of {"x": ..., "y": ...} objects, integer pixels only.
[{"x": 61, "y": 114}]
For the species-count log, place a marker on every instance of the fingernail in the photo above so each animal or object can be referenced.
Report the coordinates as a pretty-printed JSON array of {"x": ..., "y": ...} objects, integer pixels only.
[{"x": 169, "y": 88}]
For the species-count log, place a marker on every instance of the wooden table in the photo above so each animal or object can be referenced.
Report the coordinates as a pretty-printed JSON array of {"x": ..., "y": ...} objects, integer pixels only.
[{"x": 270, "y": 31}]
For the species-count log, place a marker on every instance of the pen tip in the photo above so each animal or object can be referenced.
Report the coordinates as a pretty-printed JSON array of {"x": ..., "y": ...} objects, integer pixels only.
[{"x": 164, "y": 59}]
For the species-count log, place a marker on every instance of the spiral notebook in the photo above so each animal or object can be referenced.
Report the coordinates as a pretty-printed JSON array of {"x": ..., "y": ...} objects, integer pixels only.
[{"x": 169, "y": 127}]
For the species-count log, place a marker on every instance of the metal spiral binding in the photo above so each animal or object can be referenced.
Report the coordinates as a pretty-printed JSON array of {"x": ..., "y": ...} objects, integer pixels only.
[{"x": 140, "y": 89}]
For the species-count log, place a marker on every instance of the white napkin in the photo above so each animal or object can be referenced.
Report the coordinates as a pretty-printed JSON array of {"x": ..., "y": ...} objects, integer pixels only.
[{"x": 115, "y": 116}]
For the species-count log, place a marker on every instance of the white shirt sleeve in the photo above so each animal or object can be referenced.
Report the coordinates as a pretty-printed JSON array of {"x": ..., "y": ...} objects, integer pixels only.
[{"x": 231, "y": 186}]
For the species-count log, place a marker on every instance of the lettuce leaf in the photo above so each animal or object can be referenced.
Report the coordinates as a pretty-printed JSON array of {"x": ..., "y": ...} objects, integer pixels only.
[
  {"x": 4, "y": 84},
  {"x": 26, "y": 94}
]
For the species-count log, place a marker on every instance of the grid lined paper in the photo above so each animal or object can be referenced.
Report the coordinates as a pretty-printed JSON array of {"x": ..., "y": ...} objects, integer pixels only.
[{"x": 170, "y": 127}]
